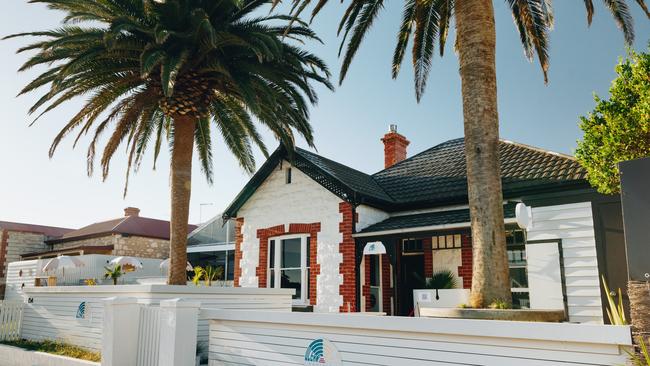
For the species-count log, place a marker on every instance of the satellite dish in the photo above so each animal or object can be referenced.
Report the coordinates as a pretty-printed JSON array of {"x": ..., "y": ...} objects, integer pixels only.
[{"x": 524, "y": 216}]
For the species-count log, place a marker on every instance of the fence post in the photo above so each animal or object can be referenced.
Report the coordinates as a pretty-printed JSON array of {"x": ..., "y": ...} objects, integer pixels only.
[
  {"x": 178, "y": 332},
  {"x": 120, "y": 331}
]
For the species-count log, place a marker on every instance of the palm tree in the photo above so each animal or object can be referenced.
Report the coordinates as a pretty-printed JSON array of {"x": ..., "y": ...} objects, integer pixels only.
[
  {"x": 172, "y": 71},
  {"x": 427, "y": 23}
]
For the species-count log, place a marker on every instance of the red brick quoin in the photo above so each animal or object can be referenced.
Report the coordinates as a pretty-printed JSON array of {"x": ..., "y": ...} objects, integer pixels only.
[
  {"x": 347, "y": 267},
  {"x": 314, "y": 268},
  {"x": 239, "y": 238}
]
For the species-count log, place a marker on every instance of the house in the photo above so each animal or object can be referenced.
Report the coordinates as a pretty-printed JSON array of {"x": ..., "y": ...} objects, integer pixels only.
[
  {"x": 213, "y": 244},
  {"x": 17, "y": 239},
  {"x": 129, "y": 235},
  {"x": 304, "y": 221}
]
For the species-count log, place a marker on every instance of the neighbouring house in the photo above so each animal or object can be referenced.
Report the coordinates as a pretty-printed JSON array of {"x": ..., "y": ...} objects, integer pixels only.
[
  {"x": 17, "y": 239},
  {"x": 213, "y": 244},
  {"x": 304, "y": 223},
  {"x": 129, "y": 235}
]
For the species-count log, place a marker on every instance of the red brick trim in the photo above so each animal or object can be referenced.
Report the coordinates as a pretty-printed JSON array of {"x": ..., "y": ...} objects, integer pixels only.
[
  {"x": 428, "y": 257},
  {"x": 347, "y": 268},
  {"x": 386, "y": 289},
  {"x": 465, "y": 270},
  {"x": 314, "y": 268},
  {"x": 239, "y": 238},
  {"x": 4, "y": 243}
]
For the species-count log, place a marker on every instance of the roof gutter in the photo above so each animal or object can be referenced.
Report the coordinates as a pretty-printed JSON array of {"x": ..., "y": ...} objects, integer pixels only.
[{"x": 460, "y": 225}]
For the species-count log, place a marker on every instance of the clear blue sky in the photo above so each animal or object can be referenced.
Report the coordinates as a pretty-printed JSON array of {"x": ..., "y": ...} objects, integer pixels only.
[{"x": 348, "y": 123}]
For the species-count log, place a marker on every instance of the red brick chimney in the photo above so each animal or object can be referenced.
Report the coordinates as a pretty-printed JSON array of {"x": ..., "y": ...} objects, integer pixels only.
[
  {"x": 394, "y": 147},
  {"x": 132, "y": 211}
]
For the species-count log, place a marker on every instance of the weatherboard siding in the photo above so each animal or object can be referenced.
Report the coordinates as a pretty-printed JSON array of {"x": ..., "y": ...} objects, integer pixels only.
[
  {"x": 52, "y": 314},
  {"x": 574, "y": 225},
  {"x": 246, "y": 338},
  {"x": 303, "y": 201}
]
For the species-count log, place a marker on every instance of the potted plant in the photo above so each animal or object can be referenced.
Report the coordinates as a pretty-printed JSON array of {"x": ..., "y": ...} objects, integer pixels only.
[
  {"x": 113, "y": 273},
  {"x": 441, "y": 280}
]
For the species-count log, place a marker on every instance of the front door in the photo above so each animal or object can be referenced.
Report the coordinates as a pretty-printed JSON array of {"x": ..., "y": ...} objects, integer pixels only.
[{"x": 411, "y": 278}]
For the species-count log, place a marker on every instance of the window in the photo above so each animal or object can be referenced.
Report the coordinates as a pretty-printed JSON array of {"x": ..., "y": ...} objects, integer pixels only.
[
  {"x": 289, "y": 265},
  {"x": 223, "y": 258},
  {"x": 287, "y": 176},
  {"x": 375, "y": 283},
  {"x": 446, "y": 241},
  {"x": 518, "y": 273},
  {"x": 412, "y": 246}
]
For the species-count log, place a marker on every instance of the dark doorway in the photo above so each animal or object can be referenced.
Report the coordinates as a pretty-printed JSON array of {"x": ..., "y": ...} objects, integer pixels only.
[{"x": 411, "y": 278}]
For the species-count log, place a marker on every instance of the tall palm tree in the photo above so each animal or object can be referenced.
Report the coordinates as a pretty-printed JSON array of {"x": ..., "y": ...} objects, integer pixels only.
[
  {"x": 426, "y": 23},
  {"x": 172, "y": 71}
]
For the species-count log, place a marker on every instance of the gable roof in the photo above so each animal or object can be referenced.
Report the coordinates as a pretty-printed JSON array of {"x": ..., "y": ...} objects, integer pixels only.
[
  {"x": 127, "y": 225},
  {"x": 49, "y": 231},
  {"x": 434, "y": 177}
]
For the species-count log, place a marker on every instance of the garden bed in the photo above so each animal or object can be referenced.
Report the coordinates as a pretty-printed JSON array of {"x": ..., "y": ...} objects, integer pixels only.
[{"x": 55, "y": 348}]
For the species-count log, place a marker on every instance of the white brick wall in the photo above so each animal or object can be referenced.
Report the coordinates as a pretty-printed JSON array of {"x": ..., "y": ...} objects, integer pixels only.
[{"x": 302, "y": 201}]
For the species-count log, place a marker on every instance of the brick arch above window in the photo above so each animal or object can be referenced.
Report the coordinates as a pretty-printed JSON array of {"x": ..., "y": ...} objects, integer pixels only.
[{"x": 264, "y": 234}]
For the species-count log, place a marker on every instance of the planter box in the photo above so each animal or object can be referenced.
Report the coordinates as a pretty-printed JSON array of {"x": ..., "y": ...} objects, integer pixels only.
[
  {"x": 529, "y": 315},
  {"x": 14, "y": 356},
  {"x": 450, "y": 298}
]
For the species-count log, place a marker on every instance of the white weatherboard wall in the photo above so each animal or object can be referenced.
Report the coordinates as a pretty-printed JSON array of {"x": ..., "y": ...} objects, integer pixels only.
[
  {"x": 256, "y": 338},
  {"x": 303, "y": 201},
  {"x": 53, "y": 310},
  {"x": 574, "y": 225}
]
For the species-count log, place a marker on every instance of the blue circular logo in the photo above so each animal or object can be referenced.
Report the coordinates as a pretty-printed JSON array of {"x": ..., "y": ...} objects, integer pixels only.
[{"x": 322, "y": 352}]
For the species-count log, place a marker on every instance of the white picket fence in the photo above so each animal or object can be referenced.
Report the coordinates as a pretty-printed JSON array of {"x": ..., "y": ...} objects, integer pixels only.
[
  {"x": 149, "y": 336},
  {"x": 11, "y": 314}
]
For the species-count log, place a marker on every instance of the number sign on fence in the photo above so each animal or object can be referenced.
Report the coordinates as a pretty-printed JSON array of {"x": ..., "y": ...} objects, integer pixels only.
[{"x": 10, "y": 320}]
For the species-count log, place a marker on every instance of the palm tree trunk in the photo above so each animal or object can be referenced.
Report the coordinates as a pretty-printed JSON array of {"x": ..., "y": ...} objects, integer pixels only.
[
  {"x": 476, "y": 41},
  {"x": 639, "y": 293},
  {"x": 181, "y": 181}
]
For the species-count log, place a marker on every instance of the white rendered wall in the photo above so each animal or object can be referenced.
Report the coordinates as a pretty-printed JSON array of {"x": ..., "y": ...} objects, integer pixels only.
[
  {"x": 574, "y": 224},
  {"x": 450, "y": 260},
  {"x": 303, "y": 201},
  {"x": 368, "y": 216}
]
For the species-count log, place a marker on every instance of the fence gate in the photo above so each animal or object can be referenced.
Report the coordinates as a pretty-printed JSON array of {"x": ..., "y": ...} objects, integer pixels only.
[
  {"x": 11, "y": 316},
  {"x": 149, "y": 336}
]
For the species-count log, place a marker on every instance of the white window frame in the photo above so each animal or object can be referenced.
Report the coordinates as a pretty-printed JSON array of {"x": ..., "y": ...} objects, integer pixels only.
[
  {"x": 380, "y": 291},
  {"x": 304, "y": 266}
]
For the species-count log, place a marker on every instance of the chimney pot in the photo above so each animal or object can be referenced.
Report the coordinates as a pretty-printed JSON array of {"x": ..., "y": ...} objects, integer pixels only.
[
  {"x": 394, "y": 146},
  {"x": 132, "y": 211}
]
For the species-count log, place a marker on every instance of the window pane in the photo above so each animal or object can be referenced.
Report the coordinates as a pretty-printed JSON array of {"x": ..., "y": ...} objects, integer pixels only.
[
  {"x": 308, "y": 252},
  {"x": 290, "y": 278},
  {"x": 272, "y": 254},
  {"x": 518, "y": 277},
  {"x": 271, "y": 278},
  {"x": 520, "y": 300},
  {"x": 374, "y": 270},
  {"x": 374, "y": 299},
  {"x": 290, "y": 255},
  {"x": 308, "y": 285},
  {"x": 231, "y": 265}
]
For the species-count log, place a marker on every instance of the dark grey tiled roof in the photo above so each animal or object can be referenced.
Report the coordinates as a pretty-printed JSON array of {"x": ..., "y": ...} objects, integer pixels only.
[
  {"x": 438, "y": 175},
  {"x": 430, "y": 219}
]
